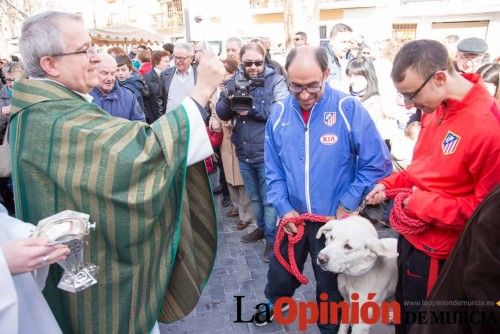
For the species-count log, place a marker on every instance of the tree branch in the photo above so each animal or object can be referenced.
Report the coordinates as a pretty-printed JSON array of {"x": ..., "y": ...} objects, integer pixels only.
[{"x": 8, "y": 3}]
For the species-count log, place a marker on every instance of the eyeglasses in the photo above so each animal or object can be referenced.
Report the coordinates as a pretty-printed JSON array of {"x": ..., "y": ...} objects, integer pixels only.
[
  {"x": 411, "y": 96},
  {"x": 177, "y": 58},
  {"x": 90, "y": 52},
  {"x": 297, "y": 89},
  {"x": 471, "y": 56},
  {"x": 249, "y": 63}
]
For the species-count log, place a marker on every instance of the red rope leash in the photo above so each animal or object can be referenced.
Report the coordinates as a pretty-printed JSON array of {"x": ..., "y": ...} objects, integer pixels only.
[
  {"x": 398, "y": 218},
  {"x": 399, "y": 222},
  {"x": 292, "y": 240}
]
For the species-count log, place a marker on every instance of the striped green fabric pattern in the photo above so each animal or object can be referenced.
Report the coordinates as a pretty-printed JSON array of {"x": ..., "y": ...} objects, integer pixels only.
[{"x": 155, "y": 237}]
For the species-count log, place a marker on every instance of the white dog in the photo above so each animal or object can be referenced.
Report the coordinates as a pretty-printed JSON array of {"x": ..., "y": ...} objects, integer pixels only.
[{"x": 364, "y": 263}]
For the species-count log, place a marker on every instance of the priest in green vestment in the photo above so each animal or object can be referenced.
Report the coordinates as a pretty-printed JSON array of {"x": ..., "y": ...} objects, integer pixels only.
[{"x": 144, "y": 185}]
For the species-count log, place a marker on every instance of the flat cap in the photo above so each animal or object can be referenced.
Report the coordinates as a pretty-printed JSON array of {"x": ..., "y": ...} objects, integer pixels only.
[{"x": 472, "y": 45}]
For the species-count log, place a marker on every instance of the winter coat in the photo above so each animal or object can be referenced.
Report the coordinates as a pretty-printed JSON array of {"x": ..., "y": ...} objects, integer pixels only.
[{"x": 249, "y": 129}]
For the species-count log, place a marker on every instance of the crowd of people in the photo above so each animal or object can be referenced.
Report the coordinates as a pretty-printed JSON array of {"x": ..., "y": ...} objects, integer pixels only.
[{"x": 129, "y": 137}]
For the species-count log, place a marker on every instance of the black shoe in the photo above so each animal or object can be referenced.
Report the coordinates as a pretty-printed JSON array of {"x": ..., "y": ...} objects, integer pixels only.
[
  {"x": 265, "y": 314},
  {"x": 218, "y": 190},
  {"x": 253, "y": 236},
  {"x": 226, "y": 201},
  {"x": 268, "y": 252}
]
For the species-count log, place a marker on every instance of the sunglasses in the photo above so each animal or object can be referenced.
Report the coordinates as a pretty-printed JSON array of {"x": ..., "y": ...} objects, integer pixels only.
[{"x": 249, "y": 63}]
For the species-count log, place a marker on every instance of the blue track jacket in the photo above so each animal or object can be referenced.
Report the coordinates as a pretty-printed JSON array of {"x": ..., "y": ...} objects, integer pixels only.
[{"x": 336, "y": 158}]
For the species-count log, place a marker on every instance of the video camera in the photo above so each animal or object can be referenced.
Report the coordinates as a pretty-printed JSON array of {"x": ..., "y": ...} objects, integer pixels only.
[{"x": 239, "y": 93}]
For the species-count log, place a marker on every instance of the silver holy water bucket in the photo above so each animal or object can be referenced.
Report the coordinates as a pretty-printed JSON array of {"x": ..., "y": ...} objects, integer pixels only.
[{"x": 69, "y": 228}]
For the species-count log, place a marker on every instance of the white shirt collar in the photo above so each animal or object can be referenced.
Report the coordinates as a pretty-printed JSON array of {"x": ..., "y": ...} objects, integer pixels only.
[{"x": 188, "y": 72}]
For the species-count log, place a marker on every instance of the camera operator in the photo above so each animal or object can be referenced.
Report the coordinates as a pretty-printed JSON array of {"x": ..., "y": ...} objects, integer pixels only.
[{"x": 247, "y": 101}]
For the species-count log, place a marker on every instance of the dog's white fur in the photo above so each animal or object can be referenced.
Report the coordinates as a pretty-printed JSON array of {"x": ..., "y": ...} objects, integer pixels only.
[{"x": 364, "y": 263}]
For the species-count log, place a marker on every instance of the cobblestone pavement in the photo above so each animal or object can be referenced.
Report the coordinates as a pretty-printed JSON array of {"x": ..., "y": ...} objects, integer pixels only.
[{"x": 239, "y": 271}]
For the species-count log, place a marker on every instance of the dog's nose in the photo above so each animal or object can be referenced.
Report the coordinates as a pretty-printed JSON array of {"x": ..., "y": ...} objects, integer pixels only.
[{"x": 322, "y": 258}]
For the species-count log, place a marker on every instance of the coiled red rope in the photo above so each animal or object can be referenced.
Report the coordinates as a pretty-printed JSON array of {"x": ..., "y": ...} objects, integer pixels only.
[
  {"x": 299, "y": 221},
  {"x": 398, "y": 218}
]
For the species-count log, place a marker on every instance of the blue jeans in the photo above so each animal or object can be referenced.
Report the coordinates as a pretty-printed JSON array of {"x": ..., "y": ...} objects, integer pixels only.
[
  {"x": 280, "y": 283},
  {"x": 254, "y": 176}
]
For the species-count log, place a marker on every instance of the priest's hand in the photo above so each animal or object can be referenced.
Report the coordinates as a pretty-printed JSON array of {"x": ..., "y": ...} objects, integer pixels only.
[
  {"x": 30, "y": 254},
  {"x": 210, "y": 73}
]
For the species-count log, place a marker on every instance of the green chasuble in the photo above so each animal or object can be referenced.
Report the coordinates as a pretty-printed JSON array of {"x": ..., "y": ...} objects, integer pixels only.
[{"x": 155, "y": 237}]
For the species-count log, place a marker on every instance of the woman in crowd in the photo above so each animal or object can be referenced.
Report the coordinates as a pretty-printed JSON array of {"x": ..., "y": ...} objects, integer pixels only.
[
  {"x": 153, "y": 103},
  {"x": 491, "y": 73},
  {"x": 13, "y": 71},
  {"x": 363, "y": 84},
  {"x": 117, "y": 51},
  {"x": 249, "y": 118},
  {"x": 402, "y": 146},
  {"x": 145, "y": 59},
  {"x": 241, "y": 205}
]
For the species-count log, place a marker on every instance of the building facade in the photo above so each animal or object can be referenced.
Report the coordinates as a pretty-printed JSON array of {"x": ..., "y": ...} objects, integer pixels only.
[{"x": 216, "y": 20}]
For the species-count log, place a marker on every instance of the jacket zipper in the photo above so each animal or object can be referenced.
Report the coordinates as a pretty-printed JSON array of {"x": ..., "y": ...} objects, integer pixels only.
[{"x": 306, "y": 165}]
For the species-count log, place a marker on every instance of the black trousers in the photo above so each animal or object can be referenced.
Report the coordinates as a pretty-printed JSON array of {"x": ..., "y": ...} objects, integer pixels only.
[
  {"x": 222, "y": 175},
  {"x": 280, "y": 283},
  {"x": 413, "y": 278}
]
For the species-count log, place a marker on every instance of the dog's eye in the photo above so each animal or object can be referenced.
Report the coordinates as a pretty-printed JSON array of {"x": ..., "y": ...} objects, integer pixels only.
[{"x": 347, "y": 246}]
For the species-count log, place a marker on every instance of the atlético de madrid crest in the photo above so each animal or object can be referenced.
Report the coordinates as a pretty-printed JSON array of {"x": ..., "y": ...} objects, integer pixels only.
[
  {"x": 330, "y": 118},
  {"x": 450, "y": 143}
]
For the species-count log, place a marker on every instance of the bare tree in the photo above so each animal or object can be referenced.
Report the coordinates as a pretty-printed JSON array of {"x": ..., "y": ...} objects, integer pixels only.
[
  {"x": 14, "y": 12},
  {"x": 301, "y": 15}
]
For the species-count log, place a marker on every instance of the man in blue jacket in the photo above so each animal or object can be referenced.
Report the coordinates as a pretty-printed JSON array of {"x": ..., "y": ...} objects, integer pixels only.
[
  {"x": 110, "y": 96},
  {"x": 322, "y": 154}
]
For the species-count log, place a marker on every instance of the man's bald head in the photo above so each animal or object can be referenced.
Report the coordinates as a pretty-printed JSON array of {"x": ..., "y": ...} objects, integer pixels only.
[
  {"x": 107, "y": 73},
  {"x": 107, "y": 60},
  {"x": 307, "y": 69},
  {"x": 307, "y": 56}
]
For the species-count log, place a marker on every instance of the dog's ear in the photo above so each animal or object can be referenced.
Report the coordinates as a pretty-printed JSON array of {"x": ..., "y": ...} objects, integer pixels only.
[
  {"x": 377, "y": 247},
  {"x": 325, "y": 228}
]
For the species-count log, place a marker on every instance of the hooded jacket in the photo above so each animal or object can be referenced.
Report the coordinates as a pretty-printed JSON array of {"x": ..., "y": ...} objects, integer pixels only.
[{"x": 136, "y": 85}]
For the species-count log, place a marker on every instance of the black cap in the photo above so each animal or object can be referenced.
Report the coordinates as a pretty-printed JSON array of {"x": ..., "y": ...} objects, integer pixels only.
[{"x": 472, "y": 45}]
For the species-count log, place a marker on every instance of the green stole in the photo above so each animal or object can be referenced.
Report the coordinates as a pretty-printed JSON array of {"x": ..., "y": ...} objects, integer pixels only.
[{"x": 155, "y": 237}]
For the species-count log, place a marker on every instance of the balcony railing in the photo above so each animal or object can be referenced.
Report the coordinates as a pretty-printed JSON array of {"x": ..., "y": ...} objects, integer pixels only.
[
  {"x": 170, "y": 20},
  {"x": 404, "y": 2},
  {"x": 172, "y": 23},
  {"x": 266, "y": 3}
]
